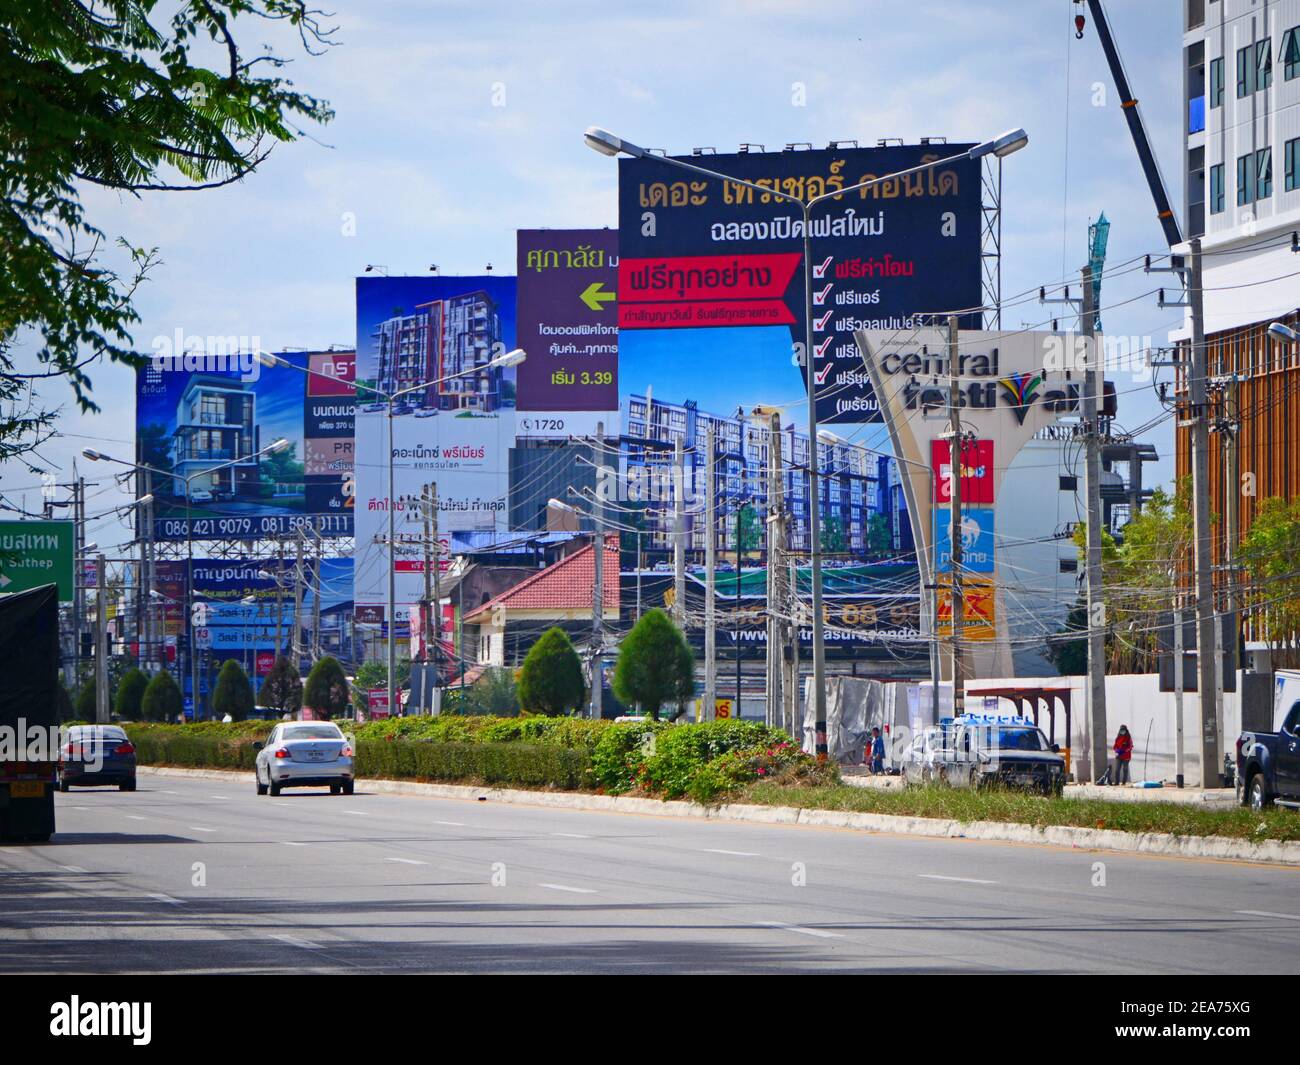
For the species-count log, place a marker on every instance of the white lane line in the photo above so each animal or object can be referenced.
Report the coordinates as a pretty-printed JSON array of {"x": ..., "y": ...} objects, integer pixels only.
[
  {"x": 81, "y": 807},
  {"x": 800, "y": 930},
  {"x": 136, "y": 817},
  {"x": 956, "y": 879},
  {"x": 406, "y": 861},
  {"x": 167, "y": 899},
  {"x": 356, "y": 813},
  {"x": 227, "y": 797},
  {"x": 171, "y": 792},
  {"x": 738, "y": 854},
  {"x": 200, "y": 828},
  {"x": 565, "y": 887},
  {"x": 294, "y": 941},
  {"x": 72, "y": 868},
  {"x": 1267, "y": 913},
  {"x": 571, "y": 835},
  {"x": 292, "y": 843},
  {"x": 457, "y": 824}
]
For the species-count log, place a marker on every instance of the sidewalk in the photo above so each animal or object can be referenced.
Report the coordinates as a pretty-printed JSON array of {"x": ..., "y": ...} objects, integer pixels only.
[{"x": 1216, "y": 798}]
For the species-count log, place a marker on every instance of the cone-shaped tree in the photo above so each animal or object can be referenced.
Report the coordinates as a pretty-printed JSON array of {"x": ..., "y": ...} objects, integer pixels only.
[
  {"x": 550, "y": 681},
  {"x": 234, "y": 693},
  {"x": 85, "y": 704},
  {"x": 162, "y": 699},
  {"x": 655, "y": 665},
  {"x": 282, "y": 688},
  {"x": 130, "y": 690},
  {"x": 326, "y": 691}
]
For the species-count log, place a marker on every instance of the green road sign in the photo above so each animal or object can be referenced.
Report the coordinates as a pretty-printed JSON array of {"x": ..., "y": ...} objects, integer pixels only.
[{"x": 33, "y": 553}]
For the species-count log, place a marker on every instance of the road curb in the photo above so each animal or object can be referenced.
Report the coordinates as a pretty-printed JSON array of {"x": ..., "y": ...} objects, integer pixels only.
[{"x": 1275, "y": 852}]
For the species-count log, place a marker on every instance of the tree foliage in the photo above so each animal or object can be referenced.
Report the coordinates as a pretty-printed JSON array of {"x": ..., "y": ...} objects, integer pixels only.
[
  {"x": 1270, "y": 557},
  {"x": 282, "y": 687},
  {"x": 117, "y": 94},
  {"x": 551, "y": 681},
  {"x": 234, "y": 692},
  {"x": 655, "y": 665},
  {"x": 326, "y": 691},
  {"x": 130, "y": 692},
  {"x": 162, "y": 698}
]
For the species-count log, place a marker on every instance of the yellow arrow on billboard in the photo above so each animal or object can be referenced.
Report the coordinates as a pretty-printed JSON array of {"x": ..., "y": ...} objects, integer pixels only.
[{"x": 594, "y": 295}]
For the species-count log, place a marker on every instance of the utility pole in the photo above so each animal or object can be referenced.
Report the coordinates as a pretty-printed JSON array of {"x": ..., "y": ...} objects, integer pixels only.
[
  {"x": 1232, "y": 500},
  {"x": 101, "y": 641},
  {"x": 793, "y": 726},
  {"x": 434, "y": 620},
  {"x": 955, "y": 450},
  {"x": 710, "y": 576},
  {"x": 79, "y": 582},
  {"x": 777, "y": 606},
  {"x": 679, "y": 534},
  {"x": 428, "y": 502},
  {"x": 279, "y": 599},
  {"x": 1178, "y": 691},
  {"x": 1211, "y": 708},
  {"x": 315, "y": 600},
  {"x": 296, "y": 633},
  {"x": 1097, "y": 734},
  {"x": 598, "y": 590}
]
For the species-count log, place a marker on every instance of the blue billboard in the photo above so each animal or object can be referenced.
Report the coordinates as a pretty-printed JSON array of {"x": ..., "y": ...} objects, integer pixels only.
[
  {"x": 204, "y": 427},
  {"x": 711, "y": 274},
  {"x": 976, "y": 539}
]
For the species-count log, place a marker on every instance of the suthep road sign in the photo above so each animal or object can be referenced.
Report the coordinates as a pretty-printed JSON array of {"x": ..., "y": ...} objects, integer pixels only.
[{"x": 33, "y": 553}]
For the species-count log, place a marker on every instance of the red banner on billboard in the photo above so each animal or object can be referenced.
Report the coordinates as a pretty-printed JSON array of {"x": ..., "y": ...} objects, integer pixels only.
[
  {"x": 976, "y": 471},
  {"x": 705, "y": 290}
]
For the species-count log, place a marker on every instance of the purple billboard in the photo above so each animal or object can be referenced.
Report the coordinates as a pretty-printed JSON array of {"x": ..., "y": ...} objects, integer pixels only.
[{"x": 568, "y": 320}]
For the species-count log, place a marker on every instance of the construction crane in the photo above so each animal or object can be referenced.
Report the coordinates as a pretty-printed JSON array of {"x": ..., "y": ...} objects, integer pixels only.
[{"x": 1133, "y": 116}]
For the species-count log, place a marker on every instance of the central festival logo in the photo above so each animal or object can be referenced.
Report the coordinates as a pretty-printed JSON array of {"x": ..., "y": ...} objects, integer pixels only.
[{"x": 1021, "y": 388}]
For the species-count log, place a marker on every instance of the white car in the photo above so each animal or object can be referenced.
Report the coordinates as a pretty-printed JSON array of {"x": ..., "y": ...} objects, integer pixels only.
[{"x": 304, "y": 754}]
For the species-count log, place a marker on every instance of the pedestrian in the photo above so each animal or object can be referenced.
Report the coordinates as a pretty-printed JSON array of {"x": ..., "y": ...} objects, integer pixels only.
[
  {"x": 1123, "y": 753},
  {"x": 877, "y": 751}
]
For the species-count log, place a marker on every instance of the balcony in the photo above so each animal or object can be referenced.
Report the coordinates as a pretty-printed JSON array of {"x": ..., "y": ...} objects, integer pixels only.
[{"x": 1196, "y": 114}]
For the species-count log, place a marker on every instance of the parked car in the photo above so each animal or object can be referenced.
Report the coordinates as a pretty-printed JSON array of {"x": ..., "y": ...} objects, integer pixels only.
[
  {"x": 201, "y": 495},
  {"x": 96, "y": 756},
  {"x": 1268, "y": 764},
  {"x": 304, "y": 754},
  {"x": 978, "y": 749}
]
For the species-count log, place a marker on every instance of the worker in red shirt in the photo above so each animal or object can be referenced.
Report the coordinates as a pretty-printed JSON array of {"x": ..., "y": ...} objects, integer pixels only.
[{"x": 1123, "y": 754}]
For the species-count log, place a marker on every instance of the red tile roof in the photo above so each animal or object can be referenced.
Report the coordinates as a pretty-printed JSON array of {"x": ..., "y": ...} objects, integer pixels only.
[{"x": 566, "y": 585}]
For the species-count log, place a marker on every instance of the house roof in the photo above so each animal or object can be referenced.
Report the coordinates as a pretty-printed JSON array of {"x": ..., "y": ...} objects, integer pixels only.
[{"x": 563, "y": 586}]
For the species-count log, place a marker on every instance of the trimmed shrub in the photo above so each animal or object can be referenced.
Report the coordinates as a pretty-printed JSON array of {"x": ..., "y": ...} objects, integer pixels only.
[
  {"x": 282, "y": 687},
  {"x": 680, "y": 753},
  {"x": 655, "y": 665},
  {"x": 618, "y": 759},
  {"x": 518, "y": 764},
  {"x": 162, "y": 699},
  {"x": 85, "y": 703},
  {"x": 550, "y": 681},
  {"x": 234, "y": 692},
  {"x": 130, "y": 693},
  {"x": 326, "y": 690}
]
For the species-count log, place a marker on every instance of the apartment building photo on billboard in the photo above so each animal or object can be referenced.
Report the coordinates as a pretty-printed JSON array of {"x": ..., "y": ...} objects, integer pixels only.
[
  {"x": 450, "y": 341},
  {"x": 214, "y": 441}
]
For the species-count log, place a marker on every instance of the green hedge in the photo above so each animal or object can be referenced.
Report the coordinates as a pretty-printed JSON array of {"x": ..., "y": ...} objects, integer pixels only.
[
  {"x": 204, "y": 751},
  {"x": 515, "y": 764}
]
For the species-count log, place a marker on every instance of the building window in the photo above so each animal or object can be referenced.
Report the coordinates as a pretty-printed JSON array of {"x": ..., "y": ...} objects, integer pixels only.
[
  {"x": 1263, "y": 173},
  {"x": 1293, "y": 164},
  {"x": 1216, "y": 189},
  {"x": 1290, "y": 54},
  {"x": 1245, "y": 179},
  {"x": 1254, "y": 67},
  {"x": 1216, "y": 82}
]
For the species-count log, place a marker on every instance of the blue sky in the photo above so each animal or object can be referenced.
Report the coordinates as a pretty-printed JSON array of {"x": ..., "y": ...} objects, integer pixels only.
[{"x": 460, "y": 122}]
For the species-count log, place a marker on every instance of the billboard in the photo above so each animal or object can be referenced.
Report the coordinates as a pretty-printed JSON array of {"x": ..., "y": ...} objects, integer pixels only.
[
  {"x": 568, "y": 325},
  {"x": 203, "y": 419},
  {"x": 427, "y": 341},
  {"x": 711, "y": 274}
]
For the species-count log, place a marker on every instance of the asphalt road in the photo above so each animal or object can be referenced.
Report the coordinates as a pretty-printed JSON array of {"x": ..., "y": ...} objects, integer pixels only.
[{"x": 190, "y": 875}]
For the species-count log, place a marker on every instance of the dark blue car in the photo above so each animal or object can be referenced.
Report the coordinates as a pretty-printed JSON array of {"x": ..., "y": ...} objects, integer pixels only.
[{"x": 95, "y": 756}]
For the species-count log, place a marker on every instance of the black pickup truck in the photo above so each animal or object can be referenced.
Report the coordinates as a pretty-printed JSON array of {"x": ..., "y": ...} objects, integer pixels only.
[{"x": 1268, "y": 765}]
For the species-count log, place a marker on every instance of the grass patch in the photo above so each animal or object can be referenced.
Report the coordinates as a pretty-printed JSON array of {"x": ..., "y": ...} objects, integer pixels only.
[{"x": 1006, "y": 805}]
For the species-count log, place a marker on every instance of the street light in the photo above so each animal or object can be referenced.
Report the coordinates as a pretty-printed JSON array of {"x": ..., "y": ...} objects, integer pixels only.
[
  {"x": 275, "y": 447},
  {"x": 1282, "y": 333},
  {"x": 509, "y": 358},
  {"x": 606, "y": 143}
]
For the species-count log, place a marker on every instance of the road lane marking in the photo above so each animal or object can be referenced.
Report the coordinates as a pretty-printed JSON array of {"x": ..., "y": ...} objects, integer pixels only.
[
  {"x": 158, "y": 897},
  {"x": 171, "y": 792},
  {"x": 1266, "y": 913},
  {"x": 955, "y": 879},
  {"x": 565, "y": 887},
  {"x": 292, "y": 843},
  {"x": 136, "y": 817},
  {"x": 226, "y": 797},
  {"x": 72, "y": 868},
  {"x": 800, "y": 930},
  {"x": 356, "y": 813},
  {"x": 457, "y": 824},
  {"x": 571, "y": 835},
  {"x": 200, "y": 828},
  {"x": 294, "y": 941},
  {"x": 738, "y": 854},
  {"x": 406, "y": 861}
]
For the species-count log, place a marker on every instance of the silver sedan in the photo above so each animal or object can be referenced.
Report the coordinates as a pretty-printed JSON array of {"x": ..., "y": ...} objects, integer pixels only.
[{"x": 304, "y": 754}]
